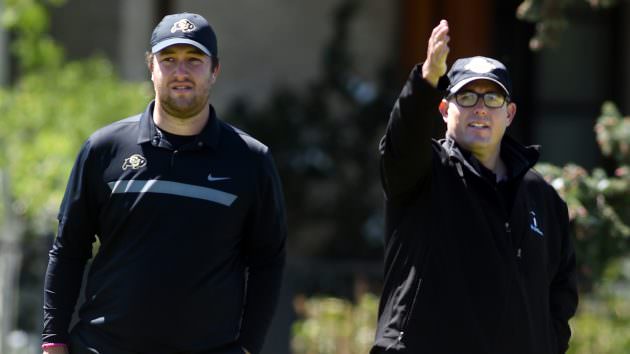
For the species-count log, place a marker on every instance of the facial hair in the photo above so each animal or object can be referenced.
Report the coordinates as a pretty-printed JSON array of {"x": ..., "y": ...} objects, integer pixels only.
[{"x": 185, "y": 107}]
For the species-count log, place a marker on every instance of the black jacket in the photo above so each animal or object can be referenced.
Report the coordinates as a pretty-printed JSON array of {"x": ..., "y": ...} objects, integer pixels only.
[
  {"x": 468, "y": 270},
  {"x": 192, "y": 242}
]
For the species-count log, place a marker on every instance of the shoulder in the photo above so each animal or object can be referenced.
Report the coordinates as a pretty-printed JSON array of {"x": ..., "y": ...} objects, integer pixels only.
[
  {"x": 537, "y": 185},
  {"x": 244, "y": 147},
  {"x": 236, "y": 138},
  {"x": 121, "y": 131}
]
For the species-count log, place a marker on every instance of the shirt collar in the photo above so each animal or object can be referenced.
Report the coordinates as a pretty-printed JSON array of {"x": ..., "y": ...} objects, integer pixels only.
[
  {"x": 209, "y": 135},
  {"x": 517, "y": 158}
]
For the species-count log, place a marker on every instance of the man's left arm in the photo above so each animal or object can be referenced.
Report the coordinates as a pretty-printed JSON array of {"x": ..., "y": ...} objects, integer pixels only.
[
  {"x": 563, "y": 297},
  {"x": 265, "y": 253}
]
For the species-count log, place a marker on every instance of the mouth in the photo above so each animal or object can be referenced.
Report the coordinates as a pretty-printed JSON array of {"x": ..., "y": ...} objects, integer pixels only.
[
  {"x": 479, "y": 125},
  {"x": 181, "y": 87}
]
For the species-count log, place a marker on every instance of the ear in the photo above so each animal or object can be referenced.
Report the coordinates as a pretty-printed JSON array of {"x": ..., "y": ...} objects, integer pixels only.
[
  {"x": 511, "y": 112},
  {"x": 150, "y": 67},
  {"x": 443, "y": 108},
  {"x": 215, "y": 73}
]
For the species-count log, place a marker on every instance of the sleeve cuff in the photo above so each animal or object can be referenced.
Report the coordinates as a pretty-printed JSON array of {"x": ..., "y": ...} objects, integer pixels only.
[{"x": 53, "y": 345}]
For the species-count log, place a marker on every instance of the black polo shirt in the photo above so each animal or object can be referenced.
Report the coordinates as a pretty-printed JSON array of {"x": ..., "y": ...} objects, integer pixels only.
[{"x": 183, "y": 233}]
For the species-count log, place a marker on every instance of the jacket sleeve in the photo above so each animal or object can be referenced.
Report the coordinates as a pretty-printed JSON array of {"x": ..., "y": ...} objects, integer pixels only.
[
  {"x": 265, "y": 253},
  {"x": 563, "y": 297},
  {"x": 70, "y": 251},
  {"x": 405, "y": 149}
]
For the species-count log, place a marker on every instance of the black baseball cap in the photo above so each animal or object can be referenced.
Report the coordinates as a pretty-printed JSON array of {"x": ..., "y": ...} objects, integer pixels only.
[
  {"x": 184, "y": 28},
  {"x": 465, "y": 70}
]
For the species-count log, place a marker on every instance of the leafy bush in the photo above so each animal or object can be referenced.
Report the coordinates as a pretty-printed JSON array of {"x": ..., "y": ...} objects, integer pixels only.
[
  {"x": 602, "y": 323},
  {"x": 51, "y": 109},
  {"x": 599, "y": 203},
  {"x": 46, "y": 117},
  {"x": 334, "y": 326}
]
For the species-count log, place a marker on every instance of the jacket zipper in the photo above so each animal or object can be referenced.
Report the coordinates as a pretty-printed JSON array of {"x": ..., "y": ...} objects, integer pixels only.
[
  {"x": 175, "y": 152},
  {"x": 407, "y": 317},
  {"x": 508, "y": 231}
]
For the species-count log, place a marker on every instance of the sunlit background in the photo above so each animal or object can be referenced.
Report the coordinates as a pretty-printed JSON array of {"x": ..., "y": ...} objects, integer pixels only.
[{"x": 315, "y": 81}]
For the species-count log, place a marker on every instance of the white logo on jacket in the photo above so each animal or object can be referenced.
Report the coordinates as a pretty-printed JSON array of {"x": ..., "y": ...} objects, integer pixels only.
[{"x": 534, "y": 224}]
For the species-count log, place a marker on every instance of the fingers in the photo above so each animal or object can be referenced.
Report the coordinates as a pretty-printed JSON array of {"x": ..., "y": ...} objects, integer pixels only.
[
  {"x": 440, "y": 32},
  {"x": 438, "y": 42},
  {"x": 437, "y": 52}
]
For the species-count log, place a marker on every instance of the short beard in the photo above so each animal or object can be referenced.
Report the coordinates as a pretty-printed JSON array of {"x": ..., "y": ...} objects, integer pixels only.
[{"x": 175, "y": 108}]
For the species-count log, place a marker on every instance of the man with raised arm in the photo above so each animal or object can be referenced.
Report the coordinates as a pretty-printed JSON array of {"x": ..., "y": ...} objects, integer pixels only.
[{"x": 478, "y": 257}]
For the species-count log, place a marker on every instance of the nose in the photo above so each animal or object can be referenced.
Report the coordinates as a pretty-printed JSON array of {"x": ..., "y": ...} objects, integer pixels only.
[
  {"x": 181, "y": 71},
  {"x": 480, "y": 108}
]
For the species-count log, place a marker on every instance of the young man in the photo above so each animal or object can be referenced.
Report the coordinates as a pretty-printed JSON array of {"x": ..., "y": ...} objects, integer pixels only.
[
  {"x": 478, "y": 256},
  {"x": 189, "y": 215}
]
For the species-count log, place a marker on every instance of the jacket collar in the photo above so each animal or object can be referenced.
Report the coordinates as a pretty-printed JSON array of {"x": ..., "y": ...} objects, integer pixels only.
[
  {"x": 517, "y": 157},
  {"x": 209, "y": 135}
]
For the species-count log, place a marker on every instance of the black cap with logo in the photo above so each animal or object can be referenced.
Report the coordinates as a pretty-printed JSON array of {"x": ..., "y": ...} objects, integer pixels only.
[
  {"x": 184, "y": 28},
  {"x": 470, "y": 69}
]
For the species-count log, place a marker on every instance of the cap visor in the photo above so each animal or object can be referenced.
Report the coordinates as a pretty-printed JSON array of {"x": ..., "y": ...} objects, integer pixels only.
[
  {"x": 462, "y": 83},
  {"x": 169, "y": 42}
]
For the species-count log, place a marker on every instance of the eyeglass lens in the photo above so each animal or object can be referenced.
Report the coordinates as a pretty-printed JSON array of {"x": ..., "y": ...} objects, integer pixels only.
[{"x": 470, "y": 98}]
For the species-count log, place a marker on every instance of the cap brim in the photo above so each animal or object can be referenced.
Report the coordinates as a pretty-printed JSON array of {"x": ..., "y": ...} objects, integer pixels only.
[
  {"x": 461, "y": 84},
  {"x": 172, "y": 41}
]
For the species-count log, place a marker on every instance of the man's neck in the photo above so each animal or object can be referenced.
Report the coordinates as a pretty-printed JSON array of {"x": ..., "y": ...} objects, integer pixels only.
[
  {"x": 180, "y": 126},
  {"x": 493, "y": 162}
]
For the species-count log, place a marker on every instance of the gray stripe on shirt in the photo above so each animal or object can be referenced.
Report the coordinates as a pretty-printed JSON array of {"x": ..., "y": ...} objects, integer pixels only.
[{"x": 173, "y": 188}]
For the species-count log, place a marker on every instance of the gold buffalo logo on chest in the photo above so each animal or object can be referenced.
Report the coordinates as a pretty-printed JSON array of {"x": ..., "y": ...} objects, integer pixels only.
[
  {"x": 184, "y": 26},
  {"x": 134, "y": 161}
]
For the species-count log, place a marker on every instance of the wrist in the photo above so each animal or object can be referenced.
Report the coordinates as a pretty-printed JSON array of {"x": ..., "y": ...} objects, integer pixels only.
[
  {"x": 54, "y": 348},
  {"x": 429, "y": 75},
  {"x": 53, "y": 345}
]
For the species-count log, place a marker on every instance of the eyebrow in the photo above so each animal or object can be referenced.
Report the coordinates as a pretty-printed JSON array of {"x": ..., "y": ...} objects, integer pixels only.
[
  {"x": 191, "y": 49},
  {"x": 498, "y": 91}
]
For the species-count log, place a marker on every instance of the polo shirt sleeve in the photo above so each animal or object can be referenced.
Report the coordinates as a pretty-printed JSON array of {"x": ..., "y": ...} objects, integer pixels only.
[
  {"x": 265, "y": 253},
  {"x": 70, "y": 251}
]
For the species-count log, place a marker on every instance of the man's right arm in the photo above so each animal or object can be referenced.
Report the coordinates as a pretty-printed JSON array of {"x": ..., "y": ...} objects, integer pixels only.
[
  {"x": 405, "y": 149},
  {"x": 70, "y": 251}
]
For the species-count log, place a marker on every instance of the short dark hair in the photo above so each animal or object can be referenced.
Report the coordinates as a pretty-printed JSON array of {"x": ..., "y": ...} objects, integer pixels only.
[{"x": 148, "y": 57}]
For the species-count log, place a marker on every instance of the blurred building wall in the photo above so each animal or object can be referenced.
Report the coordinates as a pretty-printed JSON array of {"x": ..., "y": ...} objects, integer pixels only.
[
  {"x": 571, "y": 81},
  {"x": 262, "y": 44}
]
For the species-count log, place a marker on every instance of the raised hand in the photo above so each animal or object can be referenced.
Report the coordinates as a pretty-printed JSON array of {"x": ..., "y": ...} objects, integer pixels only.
[{"x": 437, "y": 51}]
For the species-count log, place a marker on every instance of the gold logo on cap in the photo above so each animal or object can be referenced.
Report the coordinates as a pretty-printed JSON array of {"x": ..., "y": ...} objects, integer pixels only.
[
  {"x": 183, "y": 25},
  {"x": 480, "y": 66}
]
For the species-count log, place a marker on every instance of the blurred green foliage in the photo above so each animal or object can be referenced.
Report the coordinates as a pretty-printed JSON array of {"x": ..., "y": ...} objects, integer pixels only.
[
  {"x": 32, "y": 44},
  {"x": 599, "y": 203},
  {"x": 46, "y": 117},
  {"x": 50, "y": 110},
  {"x": 334, "y": 326},
  {"x": 602, "y": 323},
  {"x": 551, "y": 18}
]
